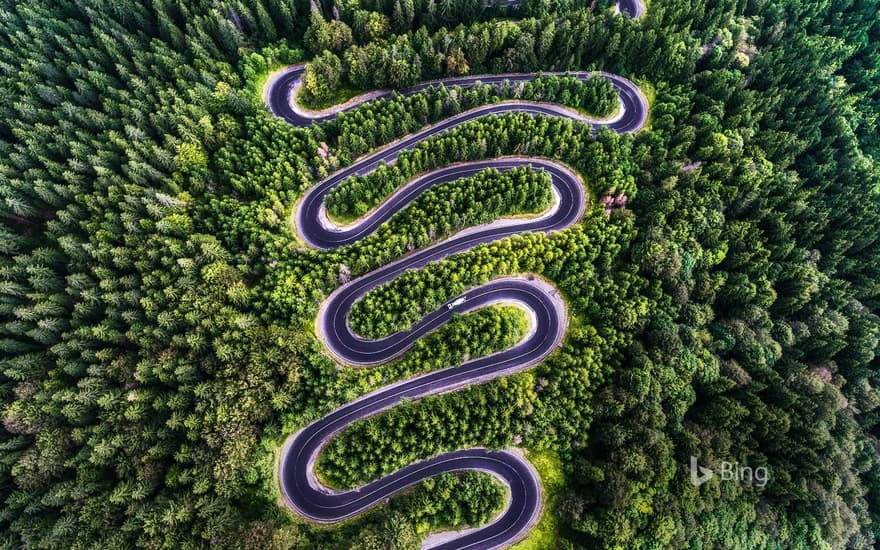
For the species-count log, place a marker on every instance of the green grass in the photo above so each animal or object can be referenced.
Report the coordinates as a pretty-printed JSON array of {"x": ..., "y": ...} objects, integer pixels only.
[
  {"x": 346, "y": 219},
  {"x": 545, "y": 533},
  {"x": 260, "y": 81},
  {"x": 338, "y": 97},
  {"x": 650, "y": 94}
]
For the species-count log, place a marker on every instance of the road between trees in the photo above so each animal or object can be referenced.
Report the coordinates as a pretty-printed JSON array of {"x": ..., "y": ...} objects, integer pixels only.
[
  {"x": 303, "y": 492},
  {"x": 282, "y": 89}
]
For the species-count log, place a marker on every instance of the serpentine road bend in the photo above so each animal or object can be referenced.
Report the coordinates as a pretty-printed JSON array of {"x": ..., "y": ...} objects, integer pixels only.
[
  {"x": 633, "y": 8},
  {"x": 302, "y": 490},
  {"x": 282, "y": 89}
]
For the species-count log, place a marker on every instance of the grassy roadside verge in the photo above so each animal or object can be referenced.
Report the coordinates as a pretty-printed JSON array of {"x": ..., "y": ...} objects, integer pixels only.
[
  {"x": 650, "y": 94},
  {"x": 545, "y": 533},
  {"x": 260, "y": 81},
  {"x": 256, "y": 66},
  {"x": 337, "y": 97}
]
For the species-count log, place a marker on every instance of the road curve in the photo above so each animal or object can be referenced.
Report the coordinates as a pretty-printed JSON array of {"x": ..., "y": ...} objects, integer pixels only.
[
  {"x": 632, "y": 8},
  {"x": 303, "y": 492}
]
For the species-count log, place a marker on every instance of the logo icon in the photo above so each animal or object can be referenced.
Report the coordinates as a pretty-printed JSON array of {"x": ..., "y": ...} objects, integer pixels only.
[{"x": 699, "y": 475}]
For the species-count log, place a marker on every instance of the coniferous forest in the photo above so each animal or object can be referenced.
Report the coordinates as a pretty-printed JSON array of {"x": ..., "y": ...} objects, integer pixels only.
[{"x": 158, "y": 339}]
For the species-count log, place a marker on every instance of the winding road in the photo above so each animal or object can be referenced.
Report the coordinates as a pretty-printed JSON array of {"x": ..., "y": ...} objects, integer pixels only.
[
  {"x": 633, "y": 8},
  {"x": 282, "y": 88},
  {"x": 303, "y": 491}
]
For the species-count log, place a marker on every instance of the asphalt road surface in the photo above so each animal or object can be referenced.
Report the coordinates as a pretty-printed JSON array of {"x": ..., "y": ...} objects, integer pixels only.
[
  {"x": 302, "y": 490},
  {"x": 633, "y": 8}
]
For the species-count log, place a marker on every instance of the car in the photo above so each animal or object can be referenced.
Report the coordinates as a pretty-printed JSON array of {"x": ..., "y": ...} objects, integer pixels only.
[{"x": 456, "y": 302}]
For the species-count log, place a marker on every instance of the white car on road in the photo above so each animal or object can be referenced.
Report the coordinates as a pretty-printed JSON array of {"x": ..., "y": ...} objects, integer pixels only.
[{"x": 457, "y": 302}]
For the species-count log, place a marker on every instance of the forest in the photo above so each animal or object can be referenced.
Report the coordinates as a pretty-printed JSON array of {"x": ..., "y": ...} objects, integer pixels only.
[{"x": 158, "y": 342}]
